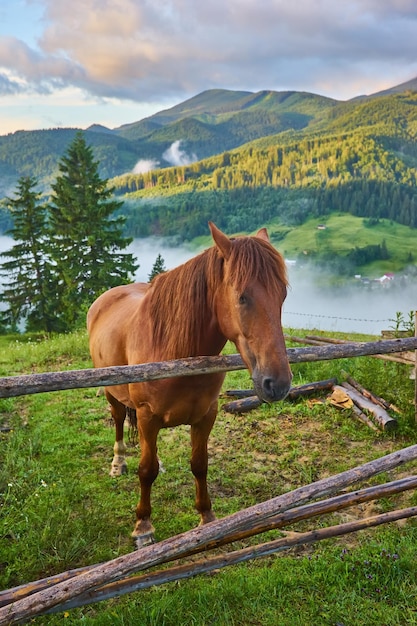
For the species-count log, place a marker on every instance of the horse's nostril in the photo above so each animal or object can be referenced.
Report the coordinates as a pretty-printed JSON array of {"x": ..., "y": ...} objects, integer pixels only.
[
  {"x": 274, "y": 391},
  {"x": 269, "y": 387}
]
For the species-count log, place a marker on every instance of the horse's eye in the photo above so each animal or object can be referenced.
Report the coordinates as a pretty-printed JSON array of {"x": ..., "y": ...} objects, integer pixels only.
[{"x": 243, "y": 299}]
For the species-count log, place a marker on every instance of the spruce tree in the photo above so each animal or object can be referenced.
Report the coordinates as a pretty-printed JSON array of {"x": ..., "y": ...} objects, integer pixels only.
[
  {"x": 157, "y": 268},
  {"x": 86, "y": 239},
  {"x": 28, "y": 273}
]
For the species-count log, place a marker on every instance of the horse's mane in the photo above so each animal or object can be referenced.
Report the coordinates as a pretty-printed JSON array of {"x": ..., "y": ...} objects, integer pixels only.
[
  {"x": 253, "y": 258},
  {"x": 181, "y": 299}
]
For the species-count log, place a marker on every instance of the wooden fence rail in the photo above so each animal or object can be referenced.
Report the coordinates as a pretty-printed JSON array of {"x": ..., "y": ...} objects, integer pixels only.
[
  {"x": 205, "y": 537},
  {"x": 281, "y": 520},
  {"x": 100, "y": 377}
]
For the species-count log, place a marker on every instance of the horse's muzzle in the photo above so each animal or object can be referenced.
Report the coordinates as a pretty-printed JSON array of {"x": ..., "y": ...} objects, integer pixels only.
[{"x": 270, "y": 389}]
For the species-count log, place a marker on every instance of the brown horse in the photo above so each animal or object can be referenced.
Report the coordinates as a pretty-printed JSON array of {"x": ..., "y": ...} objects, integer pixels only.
[{"x": 232, "y": 291}]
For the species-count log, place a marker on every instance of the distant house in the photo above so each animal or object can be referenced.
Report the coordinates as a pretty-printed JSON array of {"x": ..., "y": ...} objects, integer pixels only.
[
  {"x": 321, "y": 226},
  {"x": 385, "y": 279}
]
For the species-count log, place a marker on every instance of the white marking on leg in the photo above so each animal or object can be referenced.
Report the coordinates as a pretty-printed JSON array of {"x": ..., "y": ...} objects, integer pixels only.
[{"x": 119, "y": 465}]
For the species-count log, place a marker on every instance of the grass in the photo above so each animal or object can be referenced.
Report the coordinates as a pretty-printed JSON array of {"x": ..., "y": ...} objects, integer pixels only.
[
  {"x": 59, "y": 509},
  {"x": 343, "y": 233}
]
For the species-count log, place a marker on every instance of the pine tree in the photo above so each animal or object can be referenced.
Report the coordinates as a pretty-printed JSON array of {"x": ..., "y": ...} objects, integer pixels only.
[
  {"x": 86, "y": 238},
  {"x": 157, "y": 268},
  {"x": 28, "y": 273}
]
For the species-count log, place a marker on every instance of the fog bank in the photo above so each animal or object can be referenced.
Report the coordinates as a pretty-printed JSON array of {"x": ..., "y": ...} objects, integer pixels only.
[
  {"x": 146, "y": 251},
  {"x": 356, "y": 308}
]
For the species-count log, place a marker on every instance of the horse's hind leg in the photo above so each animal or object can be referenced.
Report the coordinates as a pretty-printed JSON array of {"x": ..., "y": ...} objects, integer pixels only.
[
  {"x": 118, "y": 411},
  {"x": 199, "y": 464},
  {"x": 143, "y": 533}
]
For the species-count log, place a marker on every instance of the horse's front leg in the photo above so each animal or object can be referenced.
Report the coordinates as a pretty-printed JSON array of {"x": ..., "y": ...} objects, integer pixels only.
[
  {"x": 118, "y": 411},
  {"x": 200, "y": 432},
  {"x": 143, "y": 532}
]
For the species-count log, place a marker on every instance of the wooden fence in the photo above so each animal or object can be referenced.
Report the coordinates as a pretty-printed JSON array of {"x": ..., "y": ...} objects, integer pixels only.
[
  {"x": 106, "y": 580},
  {"x": 106, "y": 376}
]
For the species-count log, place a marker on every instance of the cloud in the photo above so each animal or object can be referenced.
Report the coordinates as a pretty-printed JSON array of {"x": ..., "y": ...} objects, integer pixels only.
[
  {"x": 176, "y": 156},
  {"x": 154, "y": 51},
  {"x": 145, "y": 165}
]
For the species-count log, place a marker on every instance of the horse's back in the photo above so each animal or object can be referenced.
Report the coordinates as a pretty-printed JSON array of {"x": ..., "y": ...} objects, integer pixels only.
[
  {"x": 108, "y": 319},
  {"x": 123, "y": 295}
]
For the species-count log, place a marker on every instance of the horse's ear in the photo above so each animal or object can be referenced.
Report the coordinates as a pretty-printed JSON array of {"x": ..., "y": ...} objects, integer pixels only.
[
  {"x": 221, "y": 240},
  {"x": 263, "y": 234}
]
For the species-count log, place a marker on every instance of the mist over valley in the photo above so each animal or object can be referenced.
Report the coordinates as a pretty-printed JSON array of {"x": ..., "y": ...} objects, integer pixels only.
[
  {"x": 311, "y": 303},
  {"x": 360, "y": 308}
]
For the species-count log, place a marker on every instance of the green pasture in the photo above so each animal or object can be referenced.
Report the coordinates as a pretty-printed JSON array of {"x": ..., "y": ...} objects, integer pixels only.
[
  {"x": 342, "y": 233},
  {"x": 59, "y": 509}
]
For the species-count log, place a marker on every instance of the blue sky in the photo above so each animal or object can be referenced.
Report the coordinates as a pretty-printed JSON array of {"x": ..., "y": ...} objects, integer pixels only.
[{"x": 114, "y": 62}]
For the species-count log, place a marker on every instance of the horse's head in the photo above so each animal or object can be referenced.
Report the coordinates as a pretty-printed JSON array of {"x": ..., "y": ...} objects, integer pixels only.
[{"x": 248, "y": 307}]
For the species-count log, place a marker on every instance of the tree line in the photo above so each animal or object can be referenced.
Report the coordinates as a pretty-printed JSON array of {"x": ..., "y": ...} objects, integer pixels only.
[
  {"x": 183, "y": 216},
  {"x": 67, "y": 250}
]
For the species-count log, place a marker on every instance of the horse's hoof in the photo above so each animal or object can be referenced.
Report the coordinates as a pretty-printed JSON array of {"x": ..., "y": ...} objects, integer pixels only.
[
  {"x": 118, "y": 470},
  {"x": 141, "y": 541},
  {"x": 207, "y": 517}
]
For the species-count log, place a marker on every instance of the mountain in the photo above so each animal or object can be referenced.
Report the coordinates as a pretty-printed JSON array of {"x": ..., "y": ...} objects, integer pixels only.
[
  {"x": 410, "y": 85},
  {"x": 357, "y": 157},
  {"x": 208, "y": 124},
  {"x": 245, "y": 158},
  {"x": 218, "y": 120},
  {"x": 217, "y": 105}
]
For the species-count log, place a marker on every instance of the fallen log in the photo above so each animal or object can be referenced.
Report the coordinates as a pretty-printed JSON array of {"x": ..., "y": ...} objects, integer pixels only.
[
  {"x": 282, "y": 520},
  {"x": 371, "y": 396},
  {"x": 197, "y": 538},
  {"x": 394, "y": 358},
  {"x": 248, "y": 403},
  {"x": 327, "y": 339},
  {"x": 305, "y": 340},
  {"x": 360, "y": 415},
  {"x": 340, "y": 399},
  {"x": 243, "y": 405},
  {"x": 311, "y": 388},
  {"x": 11, "y": 386},
  {"x": 239, "y": 393},
  {"x": 379, "y": 415},
  {"x": 295, "y": 392}
]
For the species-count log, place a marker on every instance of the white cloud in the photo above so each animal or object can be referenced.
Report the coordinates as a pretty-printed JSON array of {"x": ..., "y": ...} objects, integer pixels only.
[
  {"x": 145, "y": 165},
  {"x": 169, "y": 50},
  {"x": 176, "y": 156}
]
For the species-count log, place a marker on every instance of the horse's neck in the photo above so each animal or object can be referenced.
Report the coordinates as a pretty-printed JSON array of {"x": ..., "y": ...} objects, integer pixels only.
[{"x": 183, "y": 317}]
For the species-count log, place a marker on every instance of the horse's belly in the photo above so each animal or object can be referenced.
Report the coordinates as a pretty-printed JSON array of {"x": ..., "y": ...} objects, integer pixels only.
[
  {"x": 178, "y": 401},
  {"x": 186, "y": 413},
  {"x": 121, "y": 393}
]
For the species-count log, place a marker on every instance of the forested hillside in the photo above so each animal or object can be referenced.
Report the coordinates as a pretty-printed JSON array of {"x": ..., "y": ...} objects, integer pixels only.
[
  {"x": 252, "y": 158},
  {"x": 207, "y": 124},
  {"x": 36, "y": 153},
  {"x": 364, "y": 163}
]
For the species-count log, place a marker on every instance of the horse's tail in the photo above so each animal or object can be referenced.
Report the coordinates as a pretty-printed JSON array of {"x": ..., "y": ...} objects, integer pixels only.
[{"x": 133, "y": 425}]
